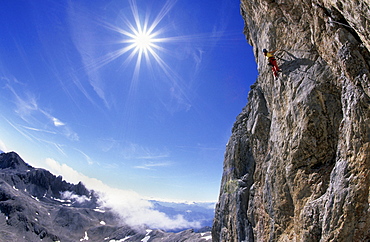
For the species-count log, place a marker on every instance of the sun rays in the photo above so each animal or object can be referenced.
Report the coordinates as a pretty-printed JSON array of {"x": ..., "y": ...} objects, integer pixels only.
[
  {"x": 142, "y": 38},
  {"x": 144, "y": 45}
]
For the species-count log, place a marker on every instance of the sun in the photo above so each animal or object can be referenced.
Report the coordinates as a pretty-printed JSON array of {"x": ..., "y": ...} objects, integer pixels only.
[
  {"x": 143, "y": 41},
  {"x": 142, "y": 37}
]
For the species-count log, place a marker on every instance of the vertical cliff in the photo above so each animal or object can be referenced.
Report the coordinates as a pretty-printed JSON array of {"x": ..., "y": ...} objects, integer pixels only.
[{"x": 297, "y": 166}]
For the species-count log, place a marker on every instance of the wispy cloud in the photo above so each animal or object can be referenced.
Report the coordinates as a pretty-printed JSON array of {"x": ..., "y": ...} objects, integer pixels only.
[
  {"x": 29, "y": 110},
  {"x": 70, "y": 134},
  {"x": 59, "y": 147},
  {"x": 57, "y": 122},
  {"x": 130, "y": 206},
  {"x": 82, "y": 34},
  {"x": 133, "y": 151},
  {"x": 22, "y": 132},
  {"x": 152, "y": 165},
  {"x": 87, "y": 158},
  {"x": 142, "y": 157},
  {"x": 24, "y": 106},
  {"x": 25, "y": 132},
  {"x": 38, "y": 130}
]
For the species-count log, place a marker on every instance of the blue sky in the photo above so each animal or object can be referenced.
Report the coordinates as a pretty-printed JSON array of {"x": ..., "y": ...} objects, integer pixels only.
[{"x": 82, "y": 93}]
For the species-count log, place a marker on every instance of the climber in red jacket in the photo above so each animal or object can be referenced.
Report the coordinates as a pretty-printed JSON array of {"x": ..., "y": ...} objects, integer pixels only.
[{"x": 272, "y": 61}]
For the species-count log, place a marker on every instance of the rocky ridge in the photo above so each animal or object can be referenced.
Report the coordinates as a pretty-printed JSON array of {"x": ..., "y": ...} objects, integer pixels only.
[
  {"x": 36, "y": 205},
  {"x": 297, "y": 165}
]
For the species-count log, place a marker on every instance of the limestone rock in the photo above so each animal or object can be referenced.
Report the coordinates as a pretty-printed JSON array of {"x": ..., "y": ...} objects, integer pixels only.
[{"x": 297, "y": 166}]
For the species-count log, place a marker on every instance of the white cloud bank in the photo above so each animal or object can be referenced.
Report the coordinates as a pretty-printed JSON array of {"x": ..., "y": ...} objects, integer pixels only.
[
  {"x": 67, "y": 195},
  {"x": 133, "y": 209}
]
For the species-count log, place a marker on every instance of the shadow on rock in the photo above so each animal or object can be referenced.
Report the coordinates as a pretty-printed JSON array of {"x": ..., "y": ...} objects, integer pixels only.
[{"x": 295, "y": 64}]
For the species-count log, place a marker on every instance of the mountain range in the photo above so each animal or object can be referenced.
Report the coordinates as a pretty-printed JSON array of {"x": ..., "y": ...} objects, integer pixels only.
[{"x": 37, "y": 205}]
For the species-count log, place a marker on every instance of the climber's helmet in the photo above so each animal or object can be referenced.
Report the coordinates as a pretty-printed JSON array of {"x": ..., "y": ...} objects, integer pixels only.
[{"x": 264, "y": 51}]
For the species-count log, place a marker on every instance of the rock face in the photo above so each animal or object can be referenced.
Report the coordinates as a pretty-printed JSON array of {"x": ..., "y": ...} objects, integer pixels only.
[{"x": 297, "y": 166}]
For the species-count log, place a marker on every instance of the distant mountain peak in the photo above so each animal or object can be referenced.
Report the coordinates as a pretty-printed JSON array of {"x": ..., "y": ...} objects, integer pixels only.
[{"x": 13, "y": 161}]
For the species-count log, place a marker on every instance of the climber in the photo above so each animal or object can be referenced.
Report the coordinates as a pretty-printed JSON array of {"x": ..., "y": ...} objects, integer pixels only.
[{"x": 272, "y": 61}]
